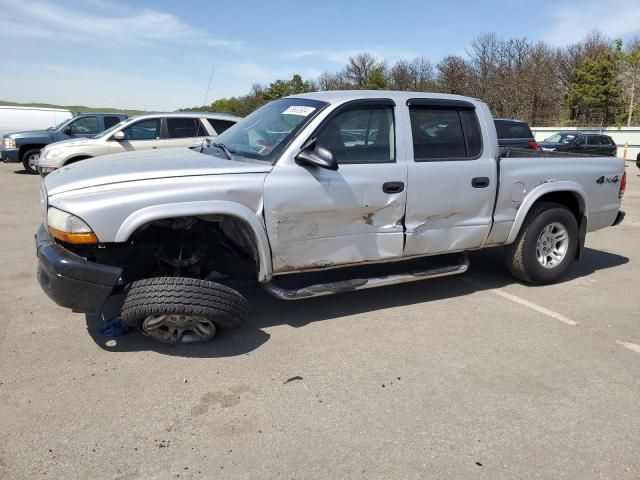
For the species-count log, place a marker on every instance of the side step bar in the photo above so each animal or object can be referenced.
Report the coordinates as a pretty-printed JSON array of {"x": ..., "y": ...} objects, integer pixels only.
[{"x": 330, "y": 288}]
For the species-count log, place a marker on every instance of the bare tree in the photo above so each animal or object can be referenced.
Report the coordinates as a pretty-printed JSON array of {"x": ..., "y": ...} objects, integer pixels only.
[
  {"x": 359, "y": 67},
  {"x": 454, "y": 75}
]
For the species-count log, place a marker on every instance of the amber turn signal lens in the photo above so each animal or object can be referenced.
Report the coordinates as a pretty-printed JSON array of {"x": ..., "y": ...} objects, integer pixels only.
[{"x": 74, "y": 238}]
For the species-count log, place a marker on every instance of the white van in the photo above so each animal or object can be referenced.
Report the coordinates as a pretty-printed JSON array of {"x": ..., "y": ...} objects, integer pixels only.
[{"x": 17, "y": 119}]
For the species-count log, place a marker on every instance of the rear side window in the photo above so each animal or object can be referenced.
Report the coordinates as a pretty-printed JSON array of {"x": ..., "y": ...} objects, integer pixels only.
[
  {"x": 605, "y": 140},
  {"x": 220, "y": 125},
  {"x": 110, "y": 122},
  {"x": 444, "y": 133},
  {"x": 512, "y": 130},
  {"x": 182, "y": 127}
]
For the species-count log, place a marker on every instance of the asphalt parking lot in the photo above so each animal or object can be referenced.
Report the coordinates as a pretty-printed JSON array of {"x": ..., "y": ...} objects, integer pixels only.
[{"x": 474, "y": 376}]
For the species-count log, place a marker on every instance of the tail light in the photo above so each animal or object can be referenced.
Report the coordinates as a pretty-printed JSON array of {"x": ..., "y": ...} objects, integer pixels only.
[
  {"x": 533, "y": 144},
  {"x": 623, "y": 185}
]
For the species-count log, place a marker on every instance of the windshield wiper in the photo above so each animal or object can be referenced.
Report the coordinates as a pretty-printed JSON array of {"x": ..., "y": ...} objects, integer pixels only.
[{"x": 224, "y": 148}]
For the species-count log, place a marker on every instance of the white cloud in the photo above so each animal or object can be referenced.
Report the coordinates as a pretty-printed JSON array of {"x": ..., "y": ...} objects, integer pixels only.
[
  {"x": 342, "y": 56},
  {"x": 573, "y": 21},
  {"x": 99, "y": 19}
]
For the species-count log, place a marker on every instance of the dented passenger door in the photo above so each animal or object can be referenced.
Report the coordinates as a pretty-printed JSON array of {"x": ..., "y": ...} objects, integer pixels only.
[
  {"x": 452, "y": 177},
  {"x": 318, "y": 218}
]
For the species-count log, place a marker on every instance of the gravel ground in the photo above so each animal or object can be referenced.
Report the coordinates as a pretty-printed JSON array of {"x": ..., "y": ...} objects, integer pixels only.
[{"x": 474, "y": 376}]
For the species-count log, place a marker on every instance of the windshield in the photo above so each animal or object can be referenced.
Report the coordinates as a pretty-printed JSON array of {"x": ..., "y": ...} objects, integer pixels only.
[
  {"x": 61, "y": 124},
  {"x": 267, "y": 131},
  {"x": 110, "y": 130},
  {"x": 561, "y": 138}
]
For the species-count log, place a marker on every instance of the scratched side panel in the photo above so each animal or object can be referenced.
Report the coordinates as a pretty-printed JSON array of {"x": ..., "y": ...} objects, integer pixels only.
[{"x": 320, "y": 218}]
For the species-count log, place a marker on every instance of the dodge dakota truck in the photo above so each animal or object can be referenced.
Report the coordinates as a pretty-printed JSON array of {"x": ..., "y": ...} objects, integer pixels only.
[{"x": 359, "y": 189}]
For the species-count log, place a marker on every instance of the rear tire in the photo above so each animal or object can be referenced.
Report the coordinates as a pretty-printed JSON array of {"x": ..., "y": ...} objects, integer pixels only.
[
  {"x": 30, "y": 160},
  {"x": 546, "y": 245},
  {"x": 182, "y": 310}
]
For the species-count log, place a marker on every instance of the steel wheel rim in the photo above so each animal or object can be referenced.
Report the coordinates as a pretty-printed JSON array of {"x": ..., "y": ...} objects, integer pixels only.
[
  {"x": 178, "y": 329},
  {"x": 33, "y": 160},
  {"x": 552, "y": 245}
]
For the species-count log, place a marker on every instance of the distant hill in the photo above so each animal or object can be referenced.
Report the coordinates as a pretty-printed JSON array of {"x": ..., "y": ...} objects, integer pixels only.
[{"x": 74, "y": 108}]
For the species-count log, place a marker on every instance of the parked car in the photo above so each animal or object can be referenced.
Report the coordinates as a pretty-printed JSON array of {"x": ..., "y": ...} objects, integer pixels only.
[
  {"x": 370, "y": 188},
  {"x": 25, "y": 146},
  {"x": 13, "y": 119},
  {"x": 154, "y": 131},
  {"x": 638, "y": 161},
  {"x": 578, "y": 142},
  {"x": 514, "y": 134}
]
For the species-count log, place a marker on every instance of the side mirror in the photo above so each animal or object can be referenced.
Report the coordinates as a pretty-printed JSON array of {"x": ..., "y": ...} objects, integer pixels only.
[
  {"x": 68, "y": 131},
  {"x": 318, "y": 157},
  {"x": 118, "y": 136}
]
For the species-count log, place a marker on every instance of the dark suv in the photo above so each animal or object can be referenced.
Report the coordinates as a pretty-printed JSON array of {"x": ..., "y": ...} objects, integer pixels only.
[
  {"x": 514, "y": 133},
  {"x": 25, "y": 146},
  {"x": 578, "y": 142}
]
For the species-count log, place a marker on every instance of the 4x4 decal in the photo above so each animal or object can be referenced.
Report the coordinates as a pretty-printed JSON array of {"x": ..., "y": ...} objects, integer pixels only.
[{"x": 604, "y": 179}]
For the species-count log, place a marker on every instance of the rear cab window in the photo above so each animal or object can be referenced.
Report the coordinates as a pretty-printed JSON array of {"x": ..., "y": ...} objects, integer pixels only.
[
  {"x": 442, "y": 132},
  {"x": 512, "y": 130},
  {"x": 110, "y": 122}
]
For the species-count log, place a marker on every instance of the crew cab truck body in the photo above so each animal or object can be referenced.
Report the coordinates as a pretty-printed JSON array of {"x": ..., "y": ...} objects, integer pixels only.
[
  {"x": 25, "y": 146},
  {"x": 370, "y": 188}
]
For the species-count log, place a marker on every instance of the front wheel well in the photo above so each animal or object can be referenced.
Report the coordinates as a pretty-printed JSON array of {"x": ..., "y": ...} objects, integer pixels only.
[
  {"x": 76, "y": 159},
  {"x": 25, "y": 148},
  {"x": 202, "y": 247}
]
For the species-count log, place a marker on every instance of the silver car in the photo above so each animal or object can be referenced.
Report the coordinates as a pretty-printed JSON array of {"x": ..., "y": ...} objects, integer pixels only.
[{"x": 146, "y": 132}]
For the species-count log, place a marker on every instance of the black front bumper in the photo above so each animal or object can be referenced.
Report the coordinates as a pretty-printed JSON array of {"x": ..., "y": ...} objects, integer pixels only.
[{"x": 70, "y": 280}]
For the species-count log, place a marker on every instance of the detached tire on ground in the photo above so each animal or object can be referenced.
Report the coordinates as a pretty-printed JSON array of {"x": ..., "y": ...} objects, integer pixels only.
[
  {"x": 30, "y": 160},
  {"x": 545, "y": 246},
  {"x": 182, "y": 310}
]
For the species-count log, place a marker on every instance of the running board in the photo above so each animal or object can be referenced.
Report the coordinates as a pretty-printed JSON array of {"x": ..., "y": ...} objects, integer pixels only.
[{"x": 330, "y": 288}]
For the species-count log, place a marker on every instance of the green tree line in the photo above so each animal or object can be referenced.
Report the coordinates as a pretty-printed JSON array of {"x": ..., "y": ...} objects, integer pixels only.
[{"x": 589, "y": 83}]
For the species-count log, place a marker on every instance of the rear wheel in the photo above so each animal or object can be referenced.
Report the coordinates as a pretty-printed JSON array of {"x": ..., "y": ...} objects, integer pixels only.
[
  {"x": 182, "y": 310},
  {"x": 545, "y": 246},
  {"x": 30, "y": 160}
]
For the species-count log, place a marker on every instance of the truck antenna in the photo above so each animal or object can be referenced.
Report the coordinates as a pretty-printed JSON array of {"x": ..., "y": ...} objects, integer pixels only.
[{"x": 206, "y": 95}]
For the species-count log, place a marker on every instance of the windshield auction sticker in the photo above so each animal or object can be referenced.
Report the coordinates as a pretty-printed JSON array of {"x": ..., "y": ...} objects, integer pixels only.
[{"x": 298, "y": 110}]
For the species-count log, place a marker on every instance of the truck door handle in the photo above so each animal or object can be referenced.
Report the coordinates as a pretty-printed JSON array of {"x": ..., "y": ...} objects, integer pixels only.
[
  {"x": 480, "y": 182},
  {"x": 392, "y": 187}
]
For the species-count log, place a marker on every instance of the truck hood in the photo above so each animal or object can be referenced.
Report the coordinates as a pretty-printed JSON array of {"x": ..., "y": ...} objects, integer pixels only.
[
  {"x": 145, "y": 165},
  {"x": 30, "y": 134}
]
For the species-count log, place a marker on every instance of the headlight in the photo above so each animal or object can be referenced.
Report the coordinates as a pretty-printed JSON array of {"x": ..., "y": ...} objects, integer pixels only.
[
  {"x": 9, "y": 142},
  {"x": 69, "y": 228},
  {"x": 49, "y": 154}
]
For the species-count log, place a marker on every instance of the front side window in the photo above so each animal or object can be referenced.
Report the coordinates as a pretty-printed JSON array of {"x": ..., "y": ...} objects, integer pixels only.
[
  {"x": 182, "y": 127},
  {"x": 581, "y": 140},
  {"x": 361, "y": 134},
  {"x": 265, "y": 133},
  {"x": 85, "y": 126},
  {"x": 143, "y": 130},
  {"x": 444, "y": 133}
]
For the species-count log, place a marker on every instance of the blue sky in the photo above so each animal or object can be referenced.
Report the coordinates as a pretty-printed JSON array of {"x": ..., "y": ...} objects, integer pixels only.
[{"x": 159, "y": 54}]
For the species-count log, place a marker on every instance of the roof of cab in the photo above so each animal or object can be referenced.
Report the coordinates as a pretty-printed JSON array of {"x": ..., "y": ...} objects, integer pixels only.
[
  {"x": 339, "y": 96},
  {"x": 213, "y": 115}
]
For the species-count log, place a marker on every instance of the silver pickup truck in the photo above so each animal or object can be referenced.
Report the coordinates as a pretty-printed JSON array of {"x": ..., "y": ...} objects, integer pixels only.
[{"x": 312, "y": 195}]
